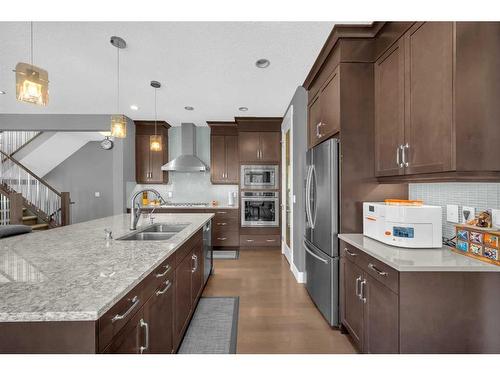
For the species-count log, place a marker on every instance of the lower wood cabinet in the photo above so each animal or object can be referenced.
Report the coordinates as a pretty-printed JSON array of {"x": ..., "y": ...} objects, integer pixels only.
[
  {"x": 260, "y": 240},
  {"x": 183, "y": 295},
  {"x": 131, "y": 339},
  {"x": 369, "y": 307},
  {"x": 160, "y": 317}
]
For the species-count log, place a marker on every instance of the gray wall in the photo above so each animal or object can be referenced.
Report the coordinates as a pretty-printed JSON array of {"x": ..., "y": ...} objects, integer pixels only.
[
  {"x": 82, "y": 174},
  {"x": 55, "y": 122},
  {"x": 299, "y": 103}
]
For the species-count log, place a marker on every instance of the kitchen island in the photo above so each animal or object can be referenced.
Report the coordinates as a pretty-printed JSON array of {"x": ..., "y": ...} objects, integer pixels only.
[
  {"x": 71, "y": 290},
  {"x": 398, "y": 300}
]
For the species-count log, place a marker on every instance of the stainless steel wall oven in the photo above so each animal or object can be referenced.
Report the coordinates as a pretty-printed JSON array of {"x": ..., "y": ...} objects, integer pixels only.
[{"x": 260, "y": 209}]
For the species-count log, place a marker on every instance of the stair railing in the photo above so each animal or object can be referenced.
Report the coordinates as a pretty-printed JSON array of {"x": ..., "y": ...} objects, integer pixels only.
[
  {"x": 13, "y": 141},
  {"x": 43, "y": 198},
  {"x": 11, "y": 208}
]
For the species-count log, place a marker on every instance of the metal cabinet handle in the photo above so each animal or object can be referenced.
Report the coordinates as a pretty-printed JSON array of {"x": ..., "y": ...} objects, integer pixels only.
[
  {"x": 222, "y": 238},
  {"x": 348, "y": 252},
  {"x": 167, "y": 269},
  {"x": 195, "y": 258},
  {"x": 380, "y": 272},
  {"x": 221, "y": 223},
  {"x": 398, "y": 161},
  {"x": 135, "y": 302},
  {"x": 358, "y": 280},
  {"x": 270, "y": 240},
  {"x": 250, "y": 240},
  {"x": 222, "y": 212},
  {"x": 403, "y": 149},
  {"x": 168, "y": 284},
  {"x": 362, "y": 291},
  {"x": 145, "y": 325}
]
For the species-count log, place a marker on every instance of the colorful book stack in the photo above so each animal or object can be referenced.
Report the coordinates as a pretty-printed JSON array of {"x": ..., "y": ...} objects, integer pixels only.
[{"x": 478, "y": 243}]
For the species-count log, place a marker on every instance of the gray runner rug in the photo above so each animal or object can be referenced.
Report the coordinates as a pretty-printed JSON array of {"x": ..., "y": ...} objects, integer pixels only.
[{"x": 214, "y": 327}]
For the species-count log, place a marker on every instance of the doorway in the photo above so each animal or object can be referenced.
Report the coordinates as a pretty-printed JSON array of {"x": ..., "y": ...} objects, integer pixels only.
[{"x": 287, "y": 184}]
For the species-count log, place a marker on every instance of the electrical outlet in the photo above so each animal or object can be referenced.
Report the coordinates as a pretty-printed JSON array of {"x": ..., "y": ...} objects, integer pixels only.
[
  {"x": 495, "y": 218},
  {"x": 468, "y": 213},
  {"x": 170, "y": 194},
  {"x": 452, "y": 213}
]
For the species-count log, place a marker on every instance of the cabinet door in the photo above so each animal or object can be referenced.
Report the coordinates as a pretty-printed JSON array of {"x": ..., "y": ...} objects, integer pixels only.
[
  {"x": 270, "y": 146},
  {"x": 160, "y": 315},
  {"x": 313, "y": 121},
  {"x": 197, "y": 271},
  {"x": 330, "y": 106},
  {"x": 217, "y": 159},
  {"x": 232, "y": 159},
  {"x": 158, "y": 159},
  {"x": 352, "y": 305},
  {"x": 249, "y": 146},
  {"x": 429, "y": 97},
  {"x": 381, "y": 318},
  {"x": 389, "y": 111},
  {"x": 131, "y": 337},
  {"x": 142, "y": 161},
  {"x": 182, "y": 295}
]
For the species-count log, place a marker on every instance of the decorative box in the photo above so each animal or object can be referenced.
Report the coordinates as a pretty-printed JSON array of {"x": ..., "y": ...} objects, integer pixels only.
[{"x": 479, "y": 243}]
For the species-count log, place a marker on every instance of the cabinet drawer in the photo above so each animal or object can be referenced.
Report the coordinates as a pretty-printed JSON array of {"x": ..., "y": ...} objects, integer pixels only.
[
  {"x": 225, "y": 214},
  {"x": 226, "y": 237},
  {"x": 260, "y": 240},
  {"x": 375, "y": 268}
]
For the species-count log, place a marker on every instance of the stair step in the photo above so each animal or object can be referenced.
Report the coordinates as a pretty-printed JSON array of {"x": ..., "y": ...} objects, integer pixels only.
[
  {"x": 26, "y": 218},
  {"x": 42, "y": 226}
]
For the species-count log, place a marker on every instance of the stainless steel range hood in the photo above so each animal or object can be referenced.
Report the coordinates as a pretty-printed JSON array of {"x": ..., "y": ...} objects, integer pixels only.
[{"x": 187, "y": 161}]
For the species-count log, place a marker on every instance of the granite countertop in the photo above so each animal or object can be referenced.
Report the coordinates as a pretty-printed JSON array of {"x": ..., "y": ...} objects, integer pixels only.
[
  {"x": 74, "y": 273},
  {"x": 418, "y": 260}
]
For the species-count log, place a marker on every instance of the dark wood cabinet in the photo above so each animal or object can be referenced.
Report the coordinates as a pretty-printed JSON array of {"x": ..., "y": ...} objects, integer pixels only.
[
  {"x": 370, "y": 304},
  {"x": 352, "y": 305},
  {"x": 161, "y": 317},
  {"x": 183, "y": 295},
  {"x": 249, "y": 147},
  {"x": 197, "y": 272},
  {"x": 258, "y": 147},
  {"x": 132, "y": 337},
  {"x": 324, "y": 110},
  {"x": 148, "y": 163},
  {"x": 389, "y": 111},
  {"x": 224, "y": 157},
  {"x": 380, "y": 318},
  {"x": 270, "y": 147}
]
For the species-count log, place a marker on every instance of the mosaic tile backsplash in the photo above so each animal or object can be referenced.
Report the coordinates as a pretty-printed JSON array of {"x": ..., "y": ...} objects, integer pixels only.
[{"x": 478, "y": 195}]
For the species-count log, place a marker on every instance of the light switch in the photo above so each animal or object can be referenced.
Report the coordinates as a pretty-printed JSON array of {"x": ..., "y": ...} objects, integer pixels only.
[
  {"x": 495, "y": 218},
  {"x": 452, "y": 213},
  {"x": 97, "y": 194},
  {"x": 170, "y": 194},
  {"x": 468, "y": 213}
]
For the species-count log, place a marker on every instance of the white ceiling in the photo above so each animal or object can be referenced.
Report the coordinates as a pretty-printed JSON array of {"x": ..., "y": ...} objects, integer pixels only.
[{"x": 207, "y": 65}]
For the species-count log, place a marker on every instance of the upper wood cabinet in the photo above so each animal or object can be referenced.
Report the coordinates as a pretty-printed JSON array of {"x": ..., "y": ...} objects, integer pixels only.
[
  {"x": 435, "y": 104},
  {"x": 148, "y": 163},
  {"x": 224, "y": 158},
  {"x": 258, "y": 147},
  {"x": 259, "y": 139}
]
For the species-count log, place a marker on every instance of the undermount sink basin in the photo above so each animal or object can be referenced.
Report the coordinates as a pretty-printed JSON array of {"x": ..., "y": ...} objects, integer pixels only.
[
  {"x": 155, "y": 232},
  {"x": 165, "y": 228}
]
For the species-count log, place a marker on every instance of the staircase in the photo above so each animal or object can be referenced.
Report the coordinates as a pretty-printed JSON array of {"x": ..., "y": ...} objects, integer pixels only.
[{"x": 26, "y": 198}]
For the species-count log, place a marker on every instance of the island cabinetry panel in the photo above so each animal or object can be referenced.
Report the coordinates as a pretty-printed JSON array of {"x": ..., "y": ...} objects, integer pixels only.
[
  {"x": 183, "y": 296},
  {"x": 148, "y": 163}
]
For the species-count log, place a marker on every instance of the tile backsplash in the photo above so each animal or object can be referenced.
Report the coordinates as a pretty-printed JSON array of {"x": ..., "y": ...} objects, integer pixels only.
[{"x": 481, "y": 196}]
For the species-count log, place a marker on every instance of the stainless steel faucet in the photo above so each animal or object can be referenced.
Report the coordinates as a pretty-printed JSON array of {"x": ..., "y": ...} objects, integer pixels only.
[{"x": 135, "y": 208}]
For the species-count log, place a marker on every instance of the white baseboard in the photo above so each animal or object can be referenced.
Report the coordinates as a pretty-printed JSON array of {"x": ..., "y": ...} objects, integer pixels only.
[
  {"x": 299, "y": 276},
  {"x": 287, "y": 253}
]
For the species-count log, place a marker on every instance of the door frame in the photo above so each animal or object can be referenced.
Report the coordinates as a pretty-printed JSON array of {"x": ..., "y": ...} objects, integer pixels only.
[{"x": 287, "y": 125}]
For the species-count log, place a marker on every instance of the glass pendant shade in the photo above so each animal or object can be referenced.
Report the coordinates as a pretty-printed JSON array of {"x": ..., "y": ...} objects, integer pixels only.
[
  {"x": 32, "y": 84},
  {"x": 118, "y": 126},
  {"x": 155, "y": 142}
]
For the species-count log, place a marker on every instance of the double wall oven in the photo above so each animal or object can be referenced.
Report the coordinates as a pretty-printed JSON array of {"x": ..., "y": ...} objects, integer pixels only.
[{"x": 260, "y": 196}]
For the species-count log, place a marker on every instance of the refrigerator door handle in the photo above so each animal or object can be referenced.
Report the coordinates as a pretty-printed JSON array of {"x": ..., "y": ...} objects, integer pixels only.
[
  {"x": 308, "y": 197},
  {"x": 313, "y": 219},
  {"x": 314, "y": 255}
]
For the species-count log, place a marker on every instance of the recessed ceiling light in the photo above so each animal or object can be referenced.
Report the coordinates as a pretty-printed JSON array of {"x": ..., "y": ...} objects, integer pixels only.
[
  {"x": 262, "y": 63},
  {"x": 189, "y": 108},
  {"x": 243, "y": 109},
  {"x": 133, "y": 107}
]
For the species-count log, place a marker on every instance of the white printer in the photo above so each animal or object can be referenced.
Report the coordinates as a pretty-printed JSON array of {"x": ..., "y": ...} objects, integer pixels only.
[{"x": 403, "y": 225}]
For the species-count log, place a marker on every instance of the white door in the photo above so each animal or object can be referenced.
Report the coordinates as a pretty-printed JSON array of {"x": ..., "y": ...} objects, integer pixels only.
[{"x": 287, "y": 196}]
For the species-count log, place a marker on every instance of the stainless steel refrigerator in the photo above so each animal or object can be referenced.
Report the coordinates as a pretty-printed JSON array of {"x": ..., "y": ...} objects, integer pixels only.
[{"x": 322, "y": 222}]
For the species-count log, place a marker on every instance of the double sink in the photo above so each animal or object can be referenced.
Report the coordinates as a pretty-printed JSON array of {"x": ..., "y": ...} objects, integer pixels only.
[{"x": 155, "y": 232}]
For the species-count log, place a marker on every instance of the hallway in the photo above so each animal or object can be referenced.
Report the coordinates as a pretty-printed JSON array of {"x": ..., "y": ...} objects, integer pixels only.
[{"x": 276, "y": 314}]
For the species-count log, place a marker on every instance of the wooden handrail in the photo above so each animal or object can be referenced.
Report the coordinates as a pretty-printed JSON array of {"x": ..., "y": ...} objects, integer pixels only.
[
  {"x": 42, "y": 181},
  {"x": 27, "y": 143}
]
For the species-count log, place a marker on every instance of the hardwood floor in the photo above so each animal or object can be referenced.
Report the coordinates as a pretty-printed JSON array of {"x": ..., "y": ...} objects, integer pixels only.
[{"x": 276, "y": 314}]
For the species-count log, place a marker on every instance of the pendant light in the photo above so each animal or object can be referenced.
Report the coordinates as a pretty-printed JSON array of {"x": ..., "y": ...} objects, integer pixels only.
[
  {"x": 118, "y": 122},
  {"x": 32, "y": 82},
  {"x": 155, "y": 140}
]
